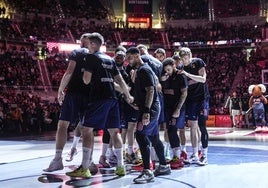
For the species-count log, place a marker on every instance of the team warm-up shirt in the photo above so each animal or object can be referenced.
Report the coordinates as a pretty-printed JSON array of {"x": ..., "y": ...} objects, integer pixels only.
[
  {"x": 196, "y": 90},
  {"x": 76, "y": 83},
  {"x": 172, "y": 90},
  {"x": 145, "y": 78},
  {"x": 103, "y": 70}
]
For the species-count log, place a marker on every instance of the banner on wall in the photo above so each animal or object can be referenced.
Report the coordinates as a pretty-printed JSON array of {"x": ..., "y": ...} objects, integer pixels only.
[
  {"x": 139, "y": 6},
  {"x": 223, "y": 121},
  {"x": 211, "y": 121}
]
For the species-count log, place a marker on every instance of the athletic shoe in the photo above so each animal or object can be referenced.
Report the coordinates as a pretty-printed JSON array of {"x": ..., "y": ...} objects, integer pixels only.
[
  {"x": 120, "y": 171},
  {"x": 183, "y": 155},
  {"x": 192, "y": 160},
  {"x": 176, "y": 163},
  {"x": 112, "y": 160},
  {"x": 162, "y": 170},
  {"x": 80, "y": 172},
  {"x": 133, "y": 159},
  {"x": 103, "y": 162},
  {"x": 140, "y": 167},
  {"x": 203, "y": 161},
  {"x": 93, "y": 168},
  {"x": 145, "y": 177},
  {"x": 54, "y": 165},
  {"x": 138, "y": 153},
  {"x": 129, "y": 158},
  {"x": 71, "y": 155}
]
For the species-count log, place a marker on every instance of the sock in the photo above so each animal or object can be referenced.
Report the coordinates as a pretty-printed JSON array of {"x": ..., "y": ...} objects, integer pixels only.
[
  {"x": 199, "y": 146},
  {"x": 110, "y": 152},
  {"x": 119, "y": 154},
  {"x": 183, "y": 148},
  {"x": 130, "y": 150},
  {"x": 75, "y": 141},
  {"x": 205, "y": 152},
  {"x": 58, "y": 154},
  {"x": 176, "y": 152},
  {"x": 195, "y": 151},
  {"x": 104, "y": 149},
  {"x": 86, "y": 157}
]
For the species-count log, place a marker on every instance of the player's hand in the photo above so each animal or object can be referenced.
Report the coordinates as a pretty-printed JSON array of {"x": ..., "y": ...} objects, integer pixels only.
[
  {"x": 61, "y": 96},
  {"x": 173, "y": 121},
  {"x": 176, "y": 114},
  {"x": 129, "y": 99},
  {"x": 145, "y": 119}
]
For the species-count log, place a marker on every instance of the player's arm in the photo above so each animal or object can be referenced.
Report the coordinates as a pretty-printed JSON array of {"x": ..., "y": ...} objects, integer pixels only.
[
  {"x": 124, "y": 88},
  {"x": 65, "y": 80},
  {"x": 250, "y": 102},
  {"x": 182, "y": 99},
  {"x": 201, "y": 77}
]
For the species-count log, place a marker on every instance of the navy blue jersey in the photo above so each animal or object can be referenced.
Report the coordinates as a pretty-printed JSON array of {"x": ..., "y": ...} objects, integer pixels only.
[
  {"x": 145, "y": 78},
  {"x": 154, "y": 63},
  {"x": 124, "y": 74},
  {"x": 103, "y": 70},
  {"x": 172, "y": 90},
  {"x": 130, "y": 83},
  {"x": 196, "y": 91},
  {"x": 76, "y": 83}
]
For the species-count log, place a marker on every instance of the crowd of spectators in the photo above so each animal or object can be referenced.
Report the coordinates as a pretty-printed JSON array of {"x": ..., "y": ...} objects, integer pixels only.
[
  {"x": 18, "y": 69},
  {"x": 199, "y": 9},
  {"x": 56, "y": 66},
  {"x": 83, "y": 9},
  {"x": 185, "y": 9},
  {"x": 25, "y": 113},
  {"x": 230, "y": 8},
  {"x": 216, "y": 31},
  {"x": 70, "y": 8}
]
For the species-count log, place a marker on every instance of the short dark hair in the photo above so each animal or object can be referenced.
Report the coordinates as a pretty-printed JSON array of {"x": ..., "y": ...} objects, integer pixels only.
[
  {"x": 142, "y": 46},
  {"x": 96, "y": 37},
  {"x": 120, "y": 48},
  {"x": 184, "y": 51},
  {"x": 176, "y": 57},
  {"x": 160, "y": 50},
  {"x": 168, "y": 61},
  {"x": 133, "y": 50},
  {"x": 85, "y": 35}
]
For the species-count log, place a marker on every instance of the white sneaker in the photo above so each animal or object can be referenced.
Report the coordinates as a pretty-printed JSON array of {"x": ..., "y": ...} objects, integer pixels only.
[
  {"x": 203, "y": 161},
  {"x": 192, "y": 160},
  {"x": 54, "y": 165}
]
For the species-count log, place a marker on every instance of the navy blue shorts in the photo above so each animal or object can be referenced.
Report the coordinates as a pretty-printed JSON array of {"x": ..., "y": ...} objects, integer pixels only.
[
  {"x": 161, "y": 118},
  {"x": 130, "y": 114},
  {"x": 152, "y": 128},
  {"x": 193, "y": 109},
  {"x": 102, "y": 114},
  {"x": 180, "y": 121},
  {"x": 73, "y": 107}
]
